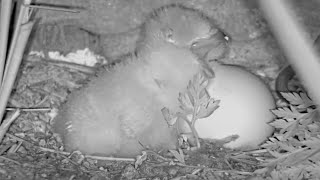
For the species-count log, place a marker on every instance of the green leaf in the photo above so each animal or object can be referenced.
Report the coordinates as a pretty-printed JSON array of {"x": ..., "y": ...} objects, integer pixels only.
[
  {"x": 310, "y": 117},
  {"x": 296, "y": 147},
  {"x": 204, "y": 96},
  {"x": 192, "y": 93},
  {"x": 273, "y": 142},
  {"x": 314, "y": 170},
  {"x": 312, "y": 142},
  {"x": 286, "y": 112},
  {"x": 170, "y": 118},
  {"x": 207, "y": 109},
  {"x": 185, "y": 102},
  {"x": 291, "y": 130},
  {"x": 281, "y": 123},
  {"x": 301, "y": 100}
]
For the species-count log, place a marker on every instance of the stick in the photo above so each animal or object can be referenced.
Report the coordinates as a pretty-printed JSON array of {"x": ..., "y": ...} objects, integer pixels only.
[
  {"x": 6, "y": 7},
  {"x": 296, "y": 45},
  {"x": 13, "y": 66}
]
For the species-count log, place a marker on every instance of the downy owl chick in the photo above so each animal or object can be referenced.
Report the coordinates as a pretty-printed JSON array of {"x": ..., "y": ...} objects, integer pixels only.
[{"x": 119, "y": 112}]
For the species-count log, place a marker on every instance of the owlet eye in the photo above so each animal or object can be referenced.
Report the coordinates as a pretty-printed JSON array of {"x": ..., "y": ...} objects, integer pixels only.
[
  {"x": 194, "y": 44},
  {"x": 169, "y": 34}
]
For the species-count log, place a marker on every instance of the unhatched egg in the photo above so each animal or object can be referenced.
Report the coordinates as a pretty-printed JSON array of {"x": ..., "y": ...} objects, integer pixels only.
[{"x": 244, "y": 109}]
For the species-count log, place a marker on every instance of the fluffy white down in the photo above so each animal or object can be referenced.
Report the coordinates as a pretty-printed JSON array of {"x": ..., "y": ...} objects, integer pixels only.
[{"x": 244, "y": 108}]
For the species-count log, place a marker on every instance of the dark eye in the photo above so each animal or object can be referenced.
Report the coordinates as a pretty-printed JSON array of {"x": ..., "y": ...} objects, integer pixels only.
[
  {"x": 226, "y": 38},
  {"x": 195, "y": 44},
  {"x": 169, "y": 33}
]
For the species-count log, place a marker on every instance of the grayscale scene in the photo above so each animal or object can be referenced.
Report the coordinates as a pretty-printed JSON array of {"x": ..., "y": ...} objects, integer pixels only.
[{"x": 159, "y": 89}]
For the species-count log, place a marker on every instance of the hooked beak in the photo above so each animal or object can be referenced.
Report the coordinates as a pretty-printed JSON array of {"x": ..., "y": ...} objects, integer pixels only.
[{"x": 214, "y": 47}]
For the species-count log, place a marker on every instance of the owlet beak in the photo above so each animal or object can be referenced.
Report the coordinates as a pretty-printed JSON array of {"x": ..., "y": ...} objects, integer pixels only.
[{"x": 214, "y": 47}]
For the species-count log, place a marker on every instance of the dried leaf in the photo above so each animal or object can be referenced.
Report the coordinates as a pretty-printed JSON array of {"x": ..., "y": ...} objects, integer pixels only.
[
  {"x": 178, "y": 155},
  {"x": 140, "y": 159}
]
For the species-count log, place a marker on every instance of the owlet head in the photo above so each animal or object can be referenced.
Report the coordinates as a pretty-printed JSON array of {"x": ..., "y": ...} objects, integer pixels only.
[{"x": 183, "y": 27}]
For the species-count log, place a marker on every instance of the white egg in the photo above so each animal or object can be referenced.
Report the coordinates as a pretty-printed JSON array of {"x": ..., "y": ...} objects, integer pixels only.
[{"x": 245, "y": 104}]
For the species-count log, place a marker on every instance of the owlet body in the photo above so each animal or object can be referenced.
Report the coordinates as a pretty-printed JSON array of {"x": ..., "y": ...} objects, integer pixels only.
[{"x": 119, "y": 112}]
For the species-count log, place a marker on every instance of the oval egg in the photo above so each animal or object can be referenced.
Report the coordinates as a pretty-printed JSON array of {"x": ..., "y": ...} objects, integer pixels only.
[{"x": 244, "y": 109}]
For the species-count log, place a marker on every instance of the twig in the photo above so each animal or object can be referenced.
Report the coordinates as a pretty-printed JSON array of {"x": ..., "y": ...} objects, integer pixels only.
[
  {"x": 53, "y": 8},
  {"x": 6, "y": 7},
  {"x": 64, "y": 64},
  {"x": 29, "y": 109},
  {"x": 13, "y": 66},
  {"x": 216, "y": 170},
  {"x": 68, "y": 153},
  {"x": 88, "y": 156},
  {"x": 10, "y": 160},
  {"x": 157, "y": 155},
  {"x": 7, "y": 122},
  {"x": 23, "y": 11},
  {"x": 295, "y": 43},
  {"x": 110, "y": 158}
]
